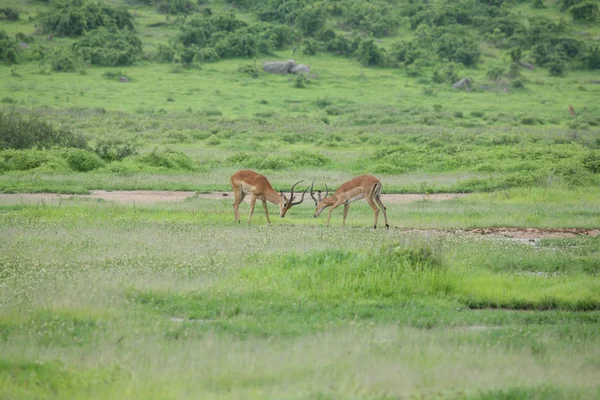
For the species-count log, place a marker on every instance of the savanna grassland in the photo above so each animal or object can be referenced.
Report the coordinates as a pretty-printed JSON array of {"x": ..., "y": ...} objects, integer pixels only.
[{"x": 174, "y": 300}]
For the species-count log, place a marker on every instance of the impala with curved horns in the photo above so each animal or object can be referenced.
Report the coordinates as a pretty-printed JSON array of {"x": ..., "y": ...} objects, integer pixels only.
[
  {"x": 362, "y": 187},
  {"x": 246, "y": 182}
]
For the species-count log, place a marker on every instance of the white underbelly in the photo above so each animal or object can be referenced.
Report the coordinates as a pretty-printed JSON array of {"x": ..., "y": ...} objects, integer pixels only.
[
  {"x": 246, "y": 189},
  {"x": 355, "y": 198}
]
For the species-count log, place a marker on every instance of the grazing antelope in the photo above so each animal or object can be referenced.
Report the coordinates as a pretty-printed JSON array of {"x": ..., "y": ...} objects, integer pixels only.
[
  {"x": 246, "y": 182},
  {"x": 362, "y": 187}
]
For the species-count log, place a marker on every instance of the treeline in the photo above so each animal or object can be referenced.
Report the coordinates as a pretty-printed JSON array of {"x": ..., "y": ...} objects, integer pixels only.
[{"x": 445, "y": 31}]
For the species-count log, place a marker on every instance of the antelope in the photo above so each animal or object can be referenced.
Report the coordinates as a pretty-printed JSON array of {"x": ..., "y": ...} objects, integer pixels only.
[
  {"x": 362, "y": 187},
  {"x": 246, "y": 182}
]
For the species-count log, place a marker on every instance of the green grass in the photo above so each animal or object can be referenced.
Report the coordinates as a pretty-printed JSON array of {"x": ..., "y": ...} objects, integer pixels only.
[
  {"x": 169, "y": 300},
  {"x": 175, "y": 300}
]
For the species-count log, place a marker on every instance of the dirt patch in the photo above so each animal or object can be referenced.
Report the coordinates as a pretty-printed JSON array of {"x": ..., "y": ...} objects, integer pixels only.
[
  {"x": 535, "y": 233},
  {"x": 156, "y": 196}
]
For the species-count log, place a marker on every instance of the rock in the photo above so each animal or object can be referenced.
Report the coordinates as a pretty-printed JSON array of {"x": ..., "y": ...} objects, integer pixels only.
[
  {"x": 464, "y": 83},
  {"x": 23, "y": 45},
  {"x": 300, "y": 69},
  {"x": 279, "y": 67},
  {"x": 123, "y": 79},
  {"x": 526, "y": 65},
  {"x": 595, "y": 82}
]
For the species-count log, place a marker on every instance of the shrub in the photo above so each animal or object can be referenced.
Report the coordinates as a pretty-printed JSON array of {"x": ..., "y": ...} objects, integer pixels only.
[
  {"x": 175, "y": 7},
  {"x": 81, "y": 160},
  {"x": 18, "y": 131},
  {"x": 49, "y": 160},
  {"x": 301, "y": 81},
  {"x": 249, "y": 69},
  {"x": 109, "y": 47},
  {"x": 592, "y": 57},
  {"x": 165, "y": 53},
  {"x": 74, "y": 17},
  {"x": 445, "y": 73},
  {"x": 311, "y": 19},
  {"x": 114, "y": 149},
  {"x": 168, "y": 159},
  {"x": 11, "y": 14},
  {"x": 586, "y": 11},
  {"x": 63, "y": 59},
  {"x": 369, "y": 54},
  {"x": 8, "y": 48},
  {"x": 456, "y": 44},
  {"x": 309, "y": 47},
  {"x": 494, "y": 73},
  {"x": 591, "y": 162}
]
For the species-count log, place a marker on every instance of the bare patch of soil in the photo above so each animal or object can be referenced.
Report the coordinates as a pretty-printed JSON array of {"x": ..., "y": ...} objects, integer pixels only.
[{"x": 535, "y": 233}]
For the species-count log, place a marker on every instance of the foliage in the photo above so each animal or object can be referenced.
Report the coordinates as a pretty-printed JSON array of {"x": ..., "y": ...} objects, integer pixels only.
[
  {"x": 175, "y": 7},
  {"x": 369, "y": 54},
  {"x": 585, "y": 11},
  {"x": 115, "y": 149},
  {"x": 54, "y": 160},
  {"x": 309, "y": 47},
  {"x": 24, "y": 131},
  {"x": 62, "y": 58},
  {"x": 207, "y": 38},
  {"x": 8, "y": 48},
  {"x": 375, "y": 18},
  {"x": 494, "y": 73},
  {"x": 456, "y": 44},
  {"x": 74, "y": 17},
  {"x": 446, "y": 72},
  {"x": 109, "y": 47},
  {"x": 250, "y": 69},
  {"x": 10, "y": 13},
  {"x": 167, "y": 159}
]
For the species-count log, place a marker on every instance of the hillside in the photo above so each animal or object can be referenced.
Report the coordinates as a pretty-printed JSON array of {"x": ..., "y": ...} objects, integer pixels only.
[{"x": 184, "y": 80}]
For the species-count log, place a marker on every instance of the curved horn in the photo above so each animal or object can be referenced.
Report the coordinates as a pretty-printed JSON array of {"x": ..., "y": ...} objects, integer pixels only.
[
  {"x": 292, "y": 191},
  {"x": 326, "y": 191},
  {"x": 302, "y": 199},
  {"x": 312, "y": 194}
]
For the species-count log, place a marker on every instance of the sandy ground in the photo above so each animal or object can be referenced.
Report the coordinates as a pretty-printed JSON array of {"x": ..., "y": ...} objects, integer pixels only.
[{"x": 155, "y": 196}]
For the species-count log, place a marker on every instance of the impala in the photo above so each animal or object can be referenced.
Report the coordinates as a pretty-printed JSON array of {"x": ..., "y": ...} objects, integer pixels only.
[
  {"x": 362, "y": 187},
  {"x": 246, "y": 182}
]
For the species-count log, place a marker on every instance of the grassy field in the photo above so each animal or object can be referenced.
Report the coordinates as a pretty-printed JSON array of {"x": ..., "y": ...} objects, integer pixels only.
[
  {"x": 101, "y": 300},
  {"x": 166, "y": 301}
]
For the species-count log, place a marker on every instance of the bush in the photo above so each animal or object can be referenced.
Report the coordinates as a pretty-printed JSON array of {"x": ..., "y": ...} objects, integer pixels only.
[
  {"x": 494, "y": 73},
  {"x": 457, "y": 44},
  {"x": 57, "y": 160},
  {"x": 309, "y": 47},
  {"x": 81, "y": 160},
  {"x": 165, "y": 53},
  {"x": 8, "y": 49},
  {"x": 445, "y": 73},
  {"x": 369, "y": 54},
  {"x": 63, "y": 59},
  {"x": 249, "y": 69},
  {"x": 592, "y": 57},
  {"x": 114, "y": 149},
  {"x": 11, "y": 14},
  {"x": 591, "y": 162},
  {"x": 109, "y": 47},
  {"x": 175, "y": 7},
  {"x": 168, "y": 159},
  {"x": 586, "y": 11},
  {"x": 18, "y": 131},
  {"x": 74, "y": 17}
]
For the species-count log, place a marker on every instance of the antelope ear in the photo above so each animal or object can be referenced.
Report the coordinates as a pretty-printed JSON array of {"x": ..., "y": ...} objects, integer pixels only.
[{"x": 282, "y": 195}]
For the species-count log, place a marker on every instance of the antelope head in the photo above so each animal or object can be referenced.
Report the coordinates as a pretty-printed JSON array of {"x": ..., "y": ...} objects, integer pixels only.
[
  {"x": 286, "y": 203},
  {"x": 319, "y": 203}
]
